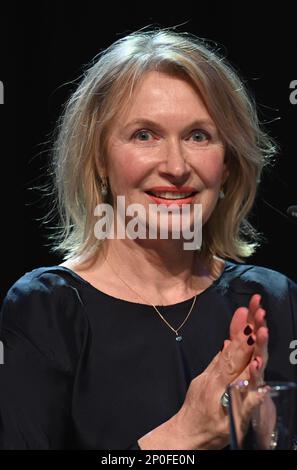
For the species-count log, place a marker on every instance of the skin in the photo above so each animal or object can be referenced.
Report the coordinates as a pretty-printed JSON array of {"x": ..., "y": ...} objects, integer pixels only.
[
  {"x": 172, "y": 149},
  {"x": 180, "y": 146}
]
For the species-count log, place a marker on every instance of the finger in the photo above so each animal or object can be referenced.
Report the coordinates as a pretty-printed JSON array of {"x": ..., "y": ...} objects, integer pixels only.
[
  {"x": 234, "y": 358},
  {"x": 251, "y": 401},
  {"x": 245, "y": 374},
  {"x": 258, "y": 363},
  {"x": 261, "y": 347},
  {"x": 254, "y": 304},
  {"x": 256, "y": 376},
  {"x": 259, "y": 319},
  {"x": 255, "y": 369},
  {"x": 262, "y": 337},
  {"x": 256, "y": 314},
  {"x": 238, "y": 322}
]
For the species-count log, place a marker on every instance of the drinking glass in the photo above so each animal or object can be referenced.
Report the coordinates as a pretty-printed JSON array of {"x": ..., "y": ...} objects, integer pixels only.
[{"x": 262, "y": 417}]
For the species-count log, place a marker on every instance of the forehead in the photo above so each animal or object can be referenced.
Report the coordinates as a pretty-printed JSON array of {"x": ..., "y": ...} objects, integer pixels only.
[{"x": 160, "y": 95}]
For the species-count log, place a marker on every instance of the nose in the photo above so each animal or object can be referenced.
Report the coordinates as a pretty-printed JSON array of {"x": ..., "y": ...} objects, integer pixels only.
[{"x": 174, "y": 164}]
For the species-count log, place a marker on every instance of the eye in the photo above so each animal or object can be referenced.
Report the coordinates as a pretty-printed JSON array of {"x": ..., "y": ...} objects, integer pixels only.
[
  {"x": 142, "y": 135},
  {"x": 199, "y": 135}
]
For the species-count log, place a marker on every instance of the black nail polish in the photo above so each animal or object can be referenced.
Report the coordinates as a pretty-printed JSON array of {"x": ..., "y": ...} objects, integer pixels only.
[
  {"x": 247, "y": 331},
  {"x": 250, "y": 341}
]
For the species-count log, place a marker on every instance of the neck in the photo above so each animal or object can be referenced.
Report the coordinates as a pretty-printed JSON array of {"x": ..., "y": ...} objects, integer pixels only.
[{"x": 160, "y": 265}]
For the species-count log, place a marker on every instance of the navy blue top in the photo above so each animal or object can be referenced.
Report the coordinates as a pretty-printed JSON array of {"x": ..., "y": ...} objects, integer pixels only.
[{"x": 86, "y": 370}]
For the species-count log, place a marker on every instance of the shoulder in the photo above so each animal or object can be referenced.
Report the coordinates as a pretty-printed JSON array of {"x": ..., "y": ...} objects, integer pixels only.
[
  {"x": 278, "y": 296},
  {"x": 251, "y": 278},
  {"x": 43, "y": 283},
  {"x": 255, "y": 273},
  {"x": 43, "y": 308}
]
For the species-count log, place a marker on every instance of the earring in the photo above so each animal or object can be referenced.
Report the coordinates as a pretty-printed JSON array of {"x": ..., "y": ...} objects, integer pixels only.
[
  {"x": 222, "y": 194},
  {"x": 104, "y": 188}
]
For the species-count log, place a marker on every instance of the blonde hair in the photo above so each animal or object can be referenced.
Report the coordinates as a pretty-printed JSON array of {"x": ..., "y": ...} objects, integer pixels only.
[{"x": 107, "y": 85}]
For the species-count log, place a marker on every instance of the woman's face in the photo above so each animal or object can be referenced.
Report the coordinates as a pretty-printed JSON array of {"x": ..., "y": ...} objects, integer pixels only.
[{"x": 166, "y": 140}]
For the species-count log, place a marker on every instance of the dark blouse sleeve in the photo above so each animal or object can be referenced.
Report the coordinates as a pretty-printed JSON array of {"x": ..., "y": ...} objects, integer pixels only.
[
  {"x": 293, "y": 303},
  {"x": 42, "y": 333},
  {"x": 134, "y": 446}
]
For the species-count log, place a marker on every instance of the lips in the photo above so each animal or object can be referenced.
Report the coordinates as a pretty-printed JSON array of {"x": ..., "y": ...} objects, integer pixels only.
[
  {"x": 172, "y": 194},
  {"x": 174, "y": 189}
]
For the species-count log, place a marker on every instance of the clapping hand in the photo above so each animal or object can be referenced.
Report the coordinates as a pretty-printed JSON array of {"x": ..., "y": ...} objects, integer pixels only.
[{"x": 252, "y": 321}]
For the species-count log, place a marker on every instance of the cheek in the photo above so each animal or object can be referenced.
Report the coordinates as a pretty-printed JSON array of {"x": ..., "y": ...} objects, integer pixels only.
[
  {"x": 210, "y": 169},
  {"x": 126, "y": 169}
]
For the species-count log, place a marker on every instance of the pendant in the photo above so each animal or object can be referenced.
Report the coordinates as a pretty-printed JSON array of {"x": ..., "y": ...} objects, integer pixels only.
[{"x": 179, "y": 338}]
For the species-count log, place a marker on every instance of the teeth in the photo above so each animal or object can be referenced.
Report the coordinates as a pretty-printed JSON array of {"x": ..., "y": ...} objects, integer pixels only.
[{"x": 168, "y": 195}]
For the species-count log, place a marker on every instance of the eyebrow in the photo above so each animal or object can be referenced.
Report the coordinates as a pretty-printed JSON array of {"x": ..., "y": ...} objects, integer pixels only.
[{"x": 149, "y": 123}]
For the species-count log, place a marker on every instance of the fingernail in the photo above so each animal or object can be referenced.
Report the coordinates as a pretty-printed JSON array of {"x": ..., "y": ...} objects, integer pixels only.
[
  {"x": 250, "y": 341},
  {"x": 247, "y": 331}
]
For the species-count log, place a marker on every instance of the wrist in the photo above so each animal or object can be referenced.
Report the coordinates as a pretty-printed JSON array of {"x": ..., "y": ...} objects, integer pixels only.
[
  {"x": 191, "y": 438},
  {"x": 170, "y": 435}
]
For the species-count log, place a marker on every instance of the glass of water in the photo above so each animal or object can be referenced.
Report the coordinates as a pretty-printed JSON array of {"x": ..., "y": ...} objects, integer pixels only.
[{"x": 263, "y": 417}]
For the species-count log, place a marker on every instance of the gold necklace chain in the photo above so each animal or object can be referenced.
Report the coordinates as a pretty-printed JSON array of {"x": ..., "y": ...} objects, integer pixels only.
[{"x": 178, "y": 336}]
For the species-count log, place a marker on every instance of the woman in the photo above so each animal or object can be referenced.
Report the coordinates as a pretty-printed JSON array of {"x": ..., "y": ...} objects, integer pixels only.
[{"x": 131, "y": 341}]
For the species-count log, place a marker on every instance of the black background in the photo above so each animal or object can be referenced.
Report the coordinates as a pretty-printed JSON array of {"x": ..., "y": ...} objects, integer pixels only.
[{"x": 43, "y": 47}]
